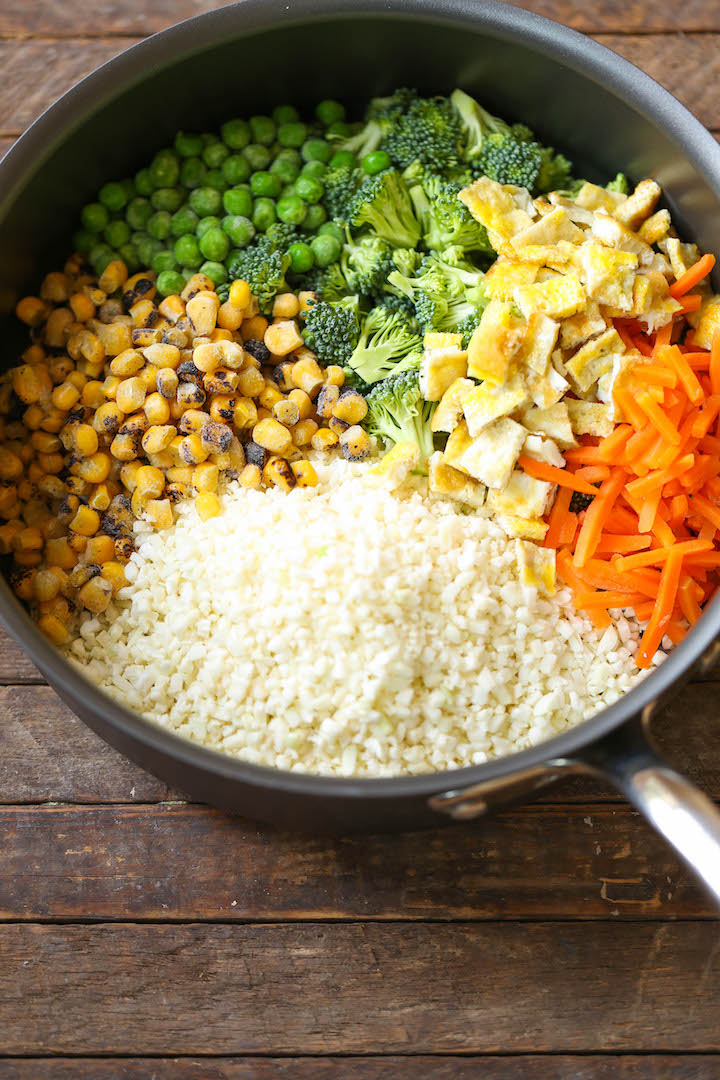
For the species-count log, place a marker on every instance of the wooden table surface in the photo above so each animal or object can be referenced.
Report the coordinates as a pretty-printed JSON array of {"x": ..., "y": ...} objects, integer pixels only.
[{"x": 142, "y": 936}]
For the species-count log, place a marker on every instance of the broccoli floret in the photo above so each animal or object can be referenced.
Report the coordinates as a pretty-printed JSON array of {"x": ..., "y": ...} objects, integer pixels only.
[
  {"x": 468, "y": 326},
  {"x": 444, "y": 219},
  {"x": 331, "y": 329},
  {"x": 406, "y": 260},
  {"x": 280, "y": 236},
  {"x": 446, "y": 291},
  {"x": 620, "y": 183},
  {"x": 475, "y": 123},
  {"x": 555, "y": 171},
  {"x": 340, "y": 183},
  {"x": 328, "y": 281},
  {"x": 366, "y": 263},
  {"x": 397, "y": 412},
  {"x": 397, "y": 302},
  {"x": 388, "y": 342},
  {"x": 264, "y": 268},
  {"x": 384, "y": 204},
  {"x": 379, "y": 119},
  {"x": 427, "y": 131}
]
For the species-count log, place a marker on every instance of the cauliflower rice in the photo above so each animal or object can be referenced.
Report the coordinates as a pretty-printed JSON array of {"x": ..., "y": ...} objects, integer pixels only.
[{"x": 344, "y": 629}]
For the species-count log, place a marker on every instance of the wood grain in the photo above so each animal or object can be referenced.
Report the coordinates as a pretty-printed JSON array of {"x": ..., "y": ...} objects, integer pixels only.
[
  {"x": 37, "y": 72},
  {"x": 15, "y": 664},
  {"x": 565, "y": 1067},
  {"x": 354, "y": 987},
  {"x": 115, "y": 863}
]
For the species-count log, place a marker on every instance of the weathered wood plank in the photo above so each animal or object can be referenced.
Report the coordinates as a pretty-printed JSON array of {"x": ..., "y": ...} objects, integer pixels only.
[
  {"x": 560, "y": 1067},
  {"x": 115, "y": 863},
  {"x": 38, "y": 72},
  {"x": 50, "y": 756},
  {"x": 352, "y": 987},
  {"x": 15, "y": 664}
]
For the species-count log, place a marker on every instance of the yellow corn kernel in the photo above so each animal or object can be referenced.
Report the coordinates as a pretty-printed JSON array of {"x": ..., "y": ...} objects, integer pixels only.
[
  {"x": 198, "y": 283},
  {"x": 141, "y": 284},
  {"x": 334, "y": 376},
  {"x": 55, "y": 287},
  {"x": 127, "y": 363},
  {"x": 128, "y": 474},
  {"x": 115, "y": 337},
  {"x": 306, "y": 299},
  {"x": 269, "y": 395},
  {"x": 222, "y": 408},
  {"x": 7, "y": 532},
  {"x": 285, "y": 306},
  {"x": 308, "y": 375},
  {"x": 131, "y": 394},
  {"x": 180, "y": 474},
  {"x": 324, "y": 439},
  {"x": 279, "y": 473},
  {"x": 172, "y": 308},
  {"x": 124, "y": 447},
  {"x": 251, "y": 477},
  {"x": 208, "y": 356},
  {"x": 150, "y": 482},
  {"x": 95, "y": 468},
  {"x": 85, "y": 439},
  {"x": 207, "y": 505},
  {"x": 86, "y": 521},
  {"x": 28, "y": 558},
  {"x": 142, "y": 313},
  {"x": 53, "y": 420},
  {"x": 205, "y": 476},
  {"x": 157, "y": 409},
  {"x": 95, "y": 594},
  {"x": 8, "y": 500},
  {"x": 43, "y": 442},
  {"x": 59, "y": 553},
  {"x": 28, "y": 539},
  {"x": 326, "y": 401},
  {"x": 304, "y": 473},
  {"x": 46, "y": 585},
  {"x": 303, "y": 432},
  {"x": 245, "y": 413},
  {"x": 253, "y": 328},
  {"x": 32, "y": 311},
  {"x": 231, "y": 458},
  {"x": 351, "y": 407},
  {"x": 107, "y": 419},
  {"x": 77, "y": 379},
  {"x": 250, "y": 382},
  {"x": 167, "y": 382},
  {"x": 229, "y": 317},
  {"x": 100, "y": 498},
  {"x": 33, "y": 417},
  {"x": 82, "y": 307},
  {"x": 114, "y": 573},
  {"x": 11, "y": 466},
  {"x": 110, "y": 386},
  {"x": 93, "y": 395},
  {"x": 56, "y": 327},
  {"x": 34, "y": 354},
  {"x": 191, "y": 450},
  {"x": 78, "y": 487},
  {"x": 51, "y": 463},
  {"x": 239, "y": 294},
  {"x": 283, "y": 376},
  {"x": 100, "y": 549},
  {"x": 283, "y": 337},
  {"x": 162, "y": 355},
  {"x": 53, "y": 629},
  {"x": 202, "y": 311},
  {"x": 286, "y": 412},
  {"x": 52, "y": 487},
  {"x": 149, "y": 377},
  {"x": 113, "y": 276},
  {"x": 355, "y": 444},
  {"x": 163, "y": 460},
  {"x": 31, "y": 383},
  {"x": 272, "y": 436},
  {"x": 158, "y": 438}
]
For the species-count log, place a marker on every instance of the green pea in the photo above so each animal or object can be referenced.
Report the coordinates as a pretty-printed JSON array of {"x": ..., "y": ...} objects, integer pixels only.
[
  {"x": 205, "y": 201},
  {"x": 316, "y": 215},
  {"x": 167, "y": 198},
  {"x": 284, "y": 114},
  {"x": 165, "y": 169},
  {"x": 84, "y": 241},
  {"x": 215, "y": 154},
  {"x": 329, "y": 112},
  {"x": 215, "y": 179},
  {"x": 164, "y": 260},
  {"x": 264, "y": 214},
  {"x": 293, "y": 133},
  {"x": 128, "y": 186},
  {"x": 210, "y": 222},
  {"x": 117, "y": 234},
  {"x": 317, "y": 150},
  {"x": 376, "y": 162},
  {"x": 188, "y": 146},
  {"x": 128, "y": 254},
  {"x": 340, "y": 128},
  {"x": 343, "y": 158},
  {"x": 192, "y": 172},
  {"x": 183, "y": 221},
  {"x": 208, "y": 138},
  {"x": 240, "y": 229},
  {"x": 215, "y": 271},
  {"x": 160, "y": 225},
  {"x": 292, "y": 209},
  {"x": 236, "y": 134},
  {"x": 315, "y": 169},
  {"x": 257, "y": 156},
  {"x": 170, "y": 283},
  {"x": 238, "y": 200},
  {"x": 143, "y": 182},
  {"x": 265, "y": 184},
  {"x": 325, "y": 249},
  {"x": 309, "y": 189},
  {"x": 286, "y": 171},
  {"x": 263, "y": 130},
  {"x": 287, "y": 189},
  {"x": 101, "y": 256},
  {"x": 214, "y": 244},
  {"x": 138, "y": 212},
  {"x": 301, "y": 258},
  {"x": 94, "y": 217},
  {"x": 187, "y": 252},
  {"x": 235, "y": 169},
  {"x": 331, "y": 228},
  {"x": 112, "y": 196},
  {"x": 147, "y": 249}
]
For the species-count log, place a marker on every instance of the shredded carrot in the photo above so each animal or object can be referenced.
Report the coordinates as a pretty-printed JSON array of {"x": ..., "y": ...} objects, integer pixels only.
[
  {"x": 595, "y": 516},
  {"x": 567, "y": 572},
  {"x": 648, "y": 510},
  {"x": 659, "y": 419},
  {"x": 617, "y": 544},
  {"x": 691, "y": 302},
  {"x": 688, "y": 600},
  {"x": 692, "y": 277},
  {"x": 662, "y": 612},
  {"x": 540, "y": 470},
  {"x": 679, "y": 507},
  {"x": 607, "y": 599},
  {"x": 594, "y": 474},
  {"x": 630, "y": 407},
  {"x": 659, "y": 555},
  {"x": 621, "y": 521},
  {"x": 675, "y": 360},
  {"x": 664, "y": 335},
  {"x": 560, "y": 509},
  {"x": 656, "y": 374},
  {"x": 707, "y": 531},
  {"x": 584, "y": 455},
  {"x": 715, "y": 363},
  {"x": 702, "y": 506},
  {"x": 569, "y": 526},
  {"x": 706, "y": 416},
  {"x": 613, "y": 444}
]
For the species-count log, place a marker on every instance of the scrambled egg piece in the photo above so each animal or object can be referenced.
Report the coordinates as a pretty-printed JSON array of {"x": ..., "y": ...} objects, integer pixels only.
[
  {"x": 439, "y": 368},
  {"x": 608, "y": 275},
  {"x": 492, "y": 454},
  {"x": 541, "y": 449},
  {"x": 522, "y": 496},
  {"x": 522, "y": 528},
  {"x": 558, "y": 297},
  {"x": 708, "y": 323},
  {"x": 494, "y": 342},
  {"x": 537, "y": 346},
  {"x": 456, "y": 445},
  {"x": 594, "y": 359},
  {"x": 537, "y": 567},
  {"x": 549, "y": 230},
  {"x": 546, "y": 390},
  {"x": 393, "y": 470},
  {"x": 496, "y": 209},
  {"x": 656, "y": 228},
  {"x": 680, "y": 256},
  {"x": 639, "y": 206},
  {"x": 553, "y": 422},
  {"x": 504, "y": 277},
  {"x": 486, "y": 403},
  {"x": 436, "y": 340},
  {"x": 581, "y": 327},
  {"x": 592, "y": 197},
  {"x": 591, "y": 418},
  {"x": 444, "y": 480},
  {"x": 447, "y": 415}
]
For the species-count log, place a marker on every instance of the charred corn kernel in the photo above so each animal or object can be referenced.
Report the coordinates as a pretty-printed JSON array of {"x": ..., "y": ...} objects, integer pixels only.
[
  {"x": 251, "y": 477},
  {"x": 233, "y": 458},
  {"x": 115, "y": 337},
  {"x": 124, "y": 548},
  {"x": 306, "y": 299},
  {"x": 114, "y": 573},
  {"x": 286, "y": 412},
  {"x": 124, "y": 447},
  {"x": 60, "y": 367},
  {"x": 32, "y": 310},
  {"x": 189, "y": 393},
  {"x": 191, "y": 450},
  {"x": 53, "y": 629},
  {"x": 245, "y": 413},
  {"x": 141, "y": 284},
  {"x": 283, "y": 337},
  {"x": 86, "y": 521},
  {"x": 142, "y": 313},
  {"x": 93, "y": 395},
  {"x": 216, "y": 438},
  {"x": 149, "y": 377},
  {"x": 127, "y": 363},
  {"x": 355, "y": 444},
  {"x": 65, "y": 396},
  {"x": 272, "y": 436},
  {"x": 308, "y": 375},
  {"x": 197, "y": 283},
  {"x": 282, "y": 376},
  {"x": 28, "y": 539},
  {"x": 253, "y": 328},
  {"x": 100, "y": 549},
  {"x": 326, "y": 401},
  {"x": 167, "y": 382},
  {"x": 221, "y": 381},
  {"x": 279, "y": 473},
  {"x": 338, "y": 426},
  {"x": 95, "y": 468},
  {"x": 162, "y": 355},
  {"x": 205, "y": 476},
  {"x": 222, "y": 407},
  {"x": 207, "y": 505},
  {"x": 250, "y": 382},
  {"x": 304, "y": 473},
  {"x": 172, "y": 308},
  {"x": 202, "y": 311},
  {"x": 22, "y": 583},
  {"x": 108, "y": 419},
  {"x": 157, "y": 409},
  {"x": 82, "y": 307},
  {"x": 229, "y": 317},
  {"x": 158, "y": 438},
  {"x": 113, "y": 276},
  {"x": 59, "y": 553},
  {"x": 52, "y": 487},
  {"x": 131, "y": 394},
  {"x": 51, "y": 463},
  {"x": 46, "y": 585},
  {"x": 52, "y": 529},
  {"x": 28, "y": 558},
  {"x": 135, "y": 425},
  {"x": 95, "y": 595},
  {"x": 192, "y": 422},
  {"x": 303, "y": 402},
  {"x": 110, "y": 386},
  {"x": 285, "y": 306},
  {"x": 78, "y": 487},
  {"x": 11, "y": 466},
  {"x": 32, "y": 383},
  {"x": 85, "y": 439},
  {"x": 269, "y": 395},
  {"x": 100, "y": 498},
  {"x": 324, "y": 439},
  {"x": 144, "y": 336}
]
